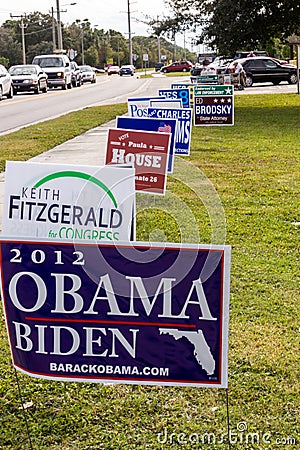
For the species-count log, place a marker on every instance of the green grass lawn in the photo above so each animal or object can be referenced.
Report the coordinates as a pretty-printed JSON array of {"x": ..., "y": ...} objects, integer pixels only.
[
  {"x": 249, "y": 174},
  {"x": 33, "y": 140}
]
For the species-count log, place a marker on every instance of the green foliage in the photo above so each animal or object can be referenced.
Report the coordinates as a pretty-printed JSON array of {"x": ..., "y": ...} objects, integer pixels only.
[
  {"x": 91, "y": 56},
  {"x": 10, "y": 48},
  {"x": 4, "y": 61},
  {"x": 255, "y": 169},
  {"x": 99, "y": 46},
  {"x": 230, "y": 25},
  {"x": 38, "y": 28}
]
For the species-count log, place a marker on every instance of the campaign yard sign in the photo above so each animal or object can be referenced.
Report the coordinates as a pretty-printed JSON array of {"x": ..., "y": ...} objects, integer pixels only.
[
  {"x": 207, "y": 79},
  {"x": 137, "y": 107},
  {"x": 184, "y": 117},
  {"x": 152, "y": 124},
  {"x": 213, "y": 105},
  {"x": 67, "y": 202},
  {"x": 189, "y": 86},
  {"x": 177, "y": 94},
  {"x": 141, "y": 314},
  {"x": 166, "y": 103},
  {"x": 147, "y": 152}
]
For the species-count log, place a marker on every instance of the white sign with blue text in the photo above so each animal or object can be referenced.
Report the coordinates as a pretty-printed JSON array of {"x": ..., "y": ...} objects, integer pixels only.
[
  {"x": 68, "y": 202},
  {"x": 137, "y": 106}
]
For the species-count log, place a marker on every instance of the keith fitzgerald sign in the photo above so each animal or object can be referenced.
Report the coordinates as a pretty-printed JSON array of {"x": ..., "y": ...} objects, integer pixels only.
[
  {"x": 130, "y": 313},
  {"x": 65, "y": 202}
]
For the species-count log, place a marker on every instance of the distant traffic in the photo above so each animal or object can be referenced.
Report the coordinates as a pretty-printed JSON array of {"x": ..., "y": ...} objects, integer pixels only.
[{"x": 56, "y": 70}]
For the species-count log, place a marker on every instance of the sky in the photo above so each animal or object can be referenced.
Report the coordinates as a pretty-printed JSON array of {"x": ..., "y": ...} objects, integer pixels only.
[{"x": 102, "y": 14}]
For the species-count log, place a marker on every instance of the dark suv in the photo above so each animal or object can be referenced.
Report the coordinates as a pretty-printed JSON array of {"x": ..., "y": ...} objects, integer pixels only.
[{"x": 260, "y": 70}]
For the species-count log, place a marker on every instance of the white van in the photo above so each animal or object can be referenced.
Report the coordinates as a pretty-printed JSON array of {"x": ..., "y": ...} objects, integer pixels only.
[{"x": 58, "y": 69}]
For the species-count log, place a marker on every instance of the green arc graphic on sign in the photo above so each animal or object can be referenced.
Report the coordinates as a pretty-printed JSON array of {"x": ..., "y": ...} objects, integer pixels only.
[{"x": 74, "y": 174}]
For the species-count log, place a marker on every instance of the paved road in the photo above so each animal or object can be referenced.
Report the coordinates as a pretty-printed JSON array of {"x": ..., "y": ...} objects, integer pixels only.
[{"x": 26, "y": 109}]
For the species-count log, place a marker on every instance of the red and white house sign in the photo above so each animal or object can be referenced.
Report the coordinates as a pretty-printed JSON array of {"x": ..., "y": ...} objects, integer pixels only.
[{"x": 147, "y": 152}]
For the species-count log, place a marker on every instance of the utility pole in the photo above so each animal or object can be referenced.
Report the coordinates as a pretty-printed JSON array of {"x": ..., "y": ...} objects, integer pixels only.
[
  {"x": 158, "y": 43},
  {"x": 59, "y": 33},
  {"x": 58, "y": 21},
  {"x": 82, "y": 46},
  {"x": 129, "y": 33},
  {"x": 53, "y": 30},
  {"x": 83, "y": 25},
  {"x": 22, "y": 26}
]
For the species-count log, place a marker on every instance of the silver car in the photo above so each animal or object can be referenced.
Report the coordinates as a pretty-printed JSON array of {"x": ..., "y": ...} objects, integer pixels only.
[
  {"x": 6, "y": 86},
  {"x": 88, "y": 74},
  {"x": 28, "y": 78}
]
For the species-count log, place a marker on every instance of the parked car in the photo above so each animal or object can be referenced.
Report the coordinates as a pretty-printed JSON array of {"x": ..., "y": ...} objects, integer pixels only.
[
  {"x": 126, "y": 70},
  {"x": 263, "y": 69},
  {"x": 196, "y": 70},
  {"x": 57, "y": 67},
  {"x": 220, "y": 64},
  {"x": 177, "y": 66},
  {"x": 158, "y": 66},
  {"x": 28, "y": 78},
  {"x": 113, "y": 70},
  {"x": 240, "y": 55},
  {"x": 97, "y": 70},
  {"x": 281, "y": 61},
  {"x": 87, "y": 73},
  {"x": 76, "y": 74},
  {"x": 6, "y": 86}
]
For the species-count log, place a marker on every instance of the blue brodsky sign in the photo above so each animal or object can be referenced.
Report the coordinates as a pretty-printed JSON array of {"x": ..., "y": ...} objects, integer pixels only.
[
  {"x": 183, "y": 129},
  {"x": 149, "y": 124},
  {"x": 131, "y": 313},
  {"x": 177, "y": 94}
]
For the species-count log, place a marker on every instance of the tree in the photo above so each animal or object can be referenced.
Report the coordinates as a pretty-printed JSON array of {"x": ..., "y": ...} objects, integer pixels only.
[
  {"x": 10, "y": 48},
  {"x": 229, "y": 25},
  {"x": 37, "y": 35},
  {"x": 95, "y": 46},
  {"x": 91, "y": 56},
  {"x": 37, "y": 27}
]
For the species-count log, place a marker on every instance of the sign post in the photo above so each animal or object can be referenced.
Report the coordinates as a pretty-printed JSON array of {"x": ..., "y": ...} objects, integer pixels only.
[{"x": 145, "y": 59}]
